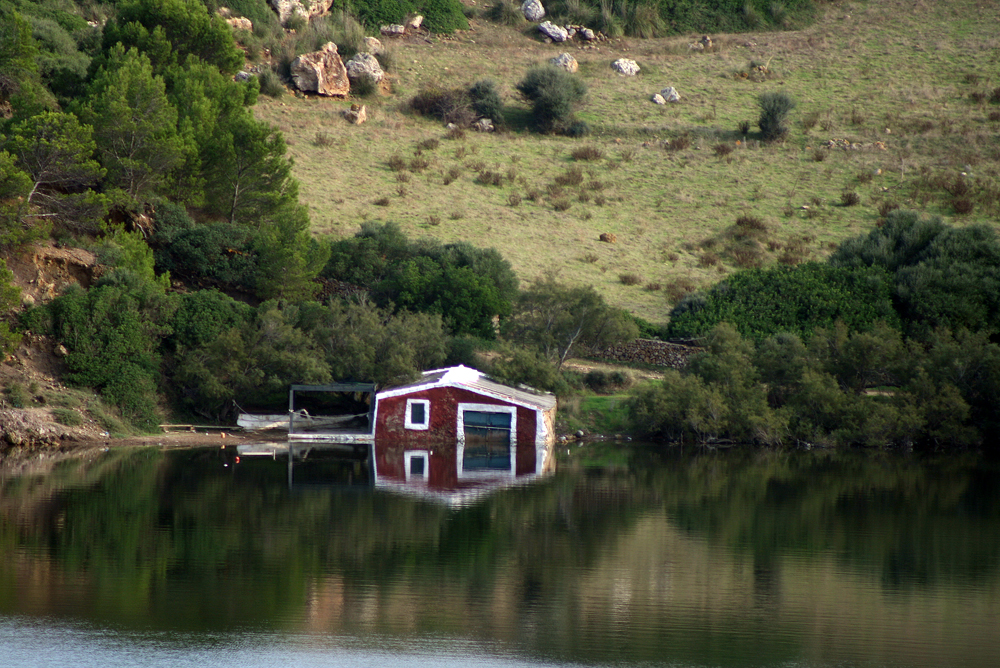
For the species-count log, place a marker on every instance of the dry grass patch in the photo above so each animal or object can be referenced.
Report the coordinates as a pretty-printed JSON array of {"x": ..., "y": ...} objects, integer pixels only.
[{"x": 889, "y": 81}]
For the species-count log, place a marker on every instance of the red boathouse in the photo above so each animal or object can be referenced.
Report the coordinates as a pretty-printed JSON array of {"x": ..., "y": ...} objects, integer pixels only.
[{"x": 456, "y": 428}]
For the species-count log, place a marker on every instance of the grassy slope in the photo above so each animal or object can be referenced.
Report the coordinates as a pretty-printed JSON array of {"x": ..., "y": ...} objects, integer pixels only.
[{"x": 887, "y": 71}]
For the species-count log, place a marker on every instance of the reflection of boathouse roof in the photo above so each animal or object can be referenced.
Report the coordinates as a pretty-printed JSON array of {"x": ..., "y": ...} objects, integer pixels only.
[{"x": 463, "y": 376}]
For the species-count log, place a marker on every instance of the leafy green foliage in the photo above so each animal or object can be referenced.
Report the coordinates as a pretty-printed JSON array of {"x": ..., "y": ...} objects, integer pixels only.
[
  {"x": 19, "y": 80},
  {"x": 113, "y": 333},
  {"x": 774, "y": 110},
  {"x": 555, "y": 318},
  {"x": 168, "y": 31},
  {"x": 554, "y": 94},
  {"x": 516, "y": 365},
  {"x": 10, "y": 295},
  {"x": 441, "y": 16},
  {"x": 15, "y": 186},
  {"x": 56, "y": 151},
  {"x": 943, "y": 276},
  {"x": 467, "y": 286},
  {"x": 486, "y": 101},
  {"x": 844, "y": 388},
  {"x": 205, "y": 315},
  {"x": 362, "y": 342},
  {"x": 135, "y": 126},
  {"x": 252, "y": 365},
  {"x": 764, "y": 302}
]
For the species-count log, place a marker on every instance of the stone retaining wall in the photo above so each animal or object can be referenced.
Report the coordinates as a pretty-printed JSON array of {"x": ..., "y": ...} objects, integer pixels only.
[{"x": 649, "y": 351}]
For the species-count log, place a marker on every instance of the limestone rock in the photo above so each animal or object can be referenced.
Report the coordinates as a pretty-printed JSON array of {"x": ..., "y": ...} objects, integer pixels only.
[
  {"x": 670, "y": 94},
  {"x": 240, "y": 23},
  {"x": 357, "y": 114},
  {"x": 533, "y": 10},
  {"x": 553, "y": 32},
  {"x": 364, "y": 63},
  {"x": 625, "y": 66},
  {"x": 242, "y": 77},
  {"x": 321, "y": 72},
  {"x": 413, "y": 22},
  {"x": 587, "y": 34},
  {"x": 658, "y": 99},
  {"x": 393, "y": 30},
  {"x": 286, "y": 9},
  {"x": 565, "y": 61},
  {"x": 609, "y": 237},
  {"x": 483, "y": 125},
  {"x": 372, "y": 45}
]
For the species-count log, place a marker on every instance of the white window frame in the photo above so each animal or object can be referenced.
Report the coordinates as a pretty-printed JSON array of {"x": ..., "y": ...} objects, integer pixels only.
[
  {"x": 460, "y": 448},
  {"x": 410, "y": 455},
  {"x": 427, "y": 415}
]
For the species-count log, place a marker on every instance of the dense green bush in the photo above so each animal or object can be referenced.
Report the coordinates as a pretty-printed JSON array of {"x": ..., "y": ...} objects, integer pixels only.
[
  {"x": 441, "y": 16},
  {"x": 485, "y": 100},
  {"x": 774, "y": 110},
  {"x": 941, "y": 394},
  {"x": 942, "y": 275},
  {"x": 764, "y": 302},
  {"x": 467, "y": 286},
  {"x": 211, "y": 253},
  {"x": 554, "y": 94},
  {"x": 113, "y": 333},
  {"x": 204, "y": 315},
  {"x": 446, "y": 105}
]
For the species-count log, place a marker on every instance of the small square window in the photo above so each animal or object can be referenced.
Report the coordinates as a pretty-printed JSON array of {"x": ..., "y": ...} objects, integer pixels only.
[
  {"x": 416, "y": 464},
  {"x": 418, "y": 414}
]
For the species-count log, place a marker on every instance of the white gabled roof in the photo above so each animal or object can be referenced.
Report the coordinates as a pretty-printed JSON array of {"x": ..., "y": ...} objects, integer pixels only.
[{"x": 477, "y": 381}]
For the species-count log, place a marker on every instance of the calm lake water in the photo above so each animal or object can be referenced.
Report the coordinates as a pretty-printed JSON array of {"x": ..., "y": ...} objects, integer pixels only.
[{"x": 181, "y": 558}]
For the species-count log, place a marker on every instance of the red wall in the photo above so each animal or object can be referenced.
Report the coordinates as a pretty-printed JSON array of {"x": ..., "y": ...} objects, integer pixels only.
[{"x": 392, "y": 438}]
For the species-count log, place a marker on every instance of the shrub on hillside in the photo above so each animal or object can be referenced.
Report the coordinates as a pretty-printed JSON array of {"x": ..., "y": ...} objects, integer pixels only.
[
  {"x": 764, "y": 302},
  {"x": 485, "y": 100},
  {"x": 506, "y": 13},
  {"x": 270, "y": 83},
  {"x": 447, "y": 105},
  {"x": 774, "y": 109},
  {"x": 942, "y": 275},
  {"x": 554, "y": 94}
]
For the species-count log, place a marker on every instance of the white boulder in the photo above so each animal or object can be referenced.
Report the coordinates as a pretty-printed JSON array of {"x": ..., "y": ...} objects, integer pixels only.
[
  {"x": 553, "y": 32},
  {"x": 362, "y": 64},
  {"x": 565, "y": 61},
  {"x": 533, "y": 10},
  {"x": 625, "y": 66}
]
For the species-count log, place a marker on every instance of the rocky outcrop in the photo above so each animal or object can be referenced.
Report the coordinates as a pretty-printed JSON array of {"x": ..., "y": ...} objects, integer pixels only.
[
  {"x": 658, "y": 99},
  {"x": 240, "y": 23},
  {"x": 625, "y": 66},
  {"x": 321, "y": 72},
  {"x": 393, "y": 30},
  {"x": 364, "y": 64},
  {"x": 357, "y": 114},
  {"x": 286, "y": 9},
  {"x": 565, "y": 61},
  {"x": 533, "y": 10},
  {"x": 372, "y": 45},
  {"x": 670, "y": 94},
  {"x": 553, "y": 32}
]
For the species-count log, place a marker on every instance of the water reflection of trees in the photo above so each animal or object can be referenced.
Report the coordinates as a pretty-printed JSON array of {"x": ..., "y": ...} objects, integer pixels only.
[{"x": 178, "y": 539}]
